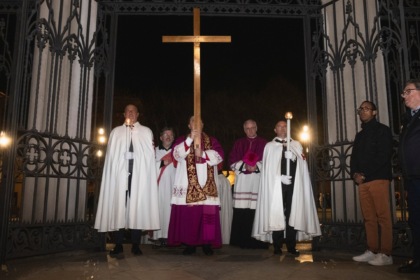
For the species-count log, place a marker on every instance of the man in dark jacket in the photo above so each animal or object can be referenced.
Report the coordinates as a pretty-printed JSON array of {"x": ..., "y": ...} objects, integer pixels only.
[
  {"x": 370, "y": 168},
  {"x": 409, "y": 155}
]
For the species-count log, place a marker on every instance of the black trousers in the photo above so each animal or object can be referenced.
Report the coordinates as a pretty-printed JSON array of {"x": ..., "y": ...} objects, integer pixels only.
[
  {"x": 135, "y": 236},
  {"x": 278, "y": 236},
  {"x": 135, "y": 233},
  {"x": 242, "y": 229},
  {"x": 413, "y": 200}
]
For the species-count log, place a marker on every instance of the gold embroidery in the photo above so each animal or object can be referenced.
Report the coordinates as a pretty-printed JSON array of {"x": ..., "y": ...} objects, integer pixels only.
[{"x": 195, "y": 193}]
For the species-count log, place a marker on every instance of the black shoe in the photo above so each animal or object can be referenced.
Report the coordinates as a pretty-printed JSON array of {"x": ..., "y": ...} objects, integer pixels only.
[
  {"x": 278, "y": 251},
  {"x": 293, "y": 252},
  {"x": 163, "y": 242},
  {"x": 117, "y": 249},
  {"x": 189, "y": 250},
  {"x": 411, "y": 267},
  {"x": 208, "y": 251},
  {"x": 135, "y": 249}
]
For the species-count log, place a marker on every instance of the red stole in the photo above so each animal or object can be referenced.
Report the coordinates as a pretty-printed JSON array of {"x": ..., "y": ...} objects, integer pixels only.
[{"x": 167, "y": 157}]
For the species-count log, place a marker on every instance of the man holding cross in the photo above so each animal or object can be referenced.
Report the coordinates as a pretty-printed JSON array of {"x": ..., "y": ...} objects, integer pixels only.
[
  {"x": 194, "y": 218},
  {"x": 195, "y": 202}
]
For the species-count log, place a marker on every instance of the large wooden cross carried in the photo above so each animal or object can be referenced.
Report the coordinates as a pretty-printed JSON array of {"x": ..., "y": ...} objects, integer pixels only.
[{"x": 196, "y": 39}]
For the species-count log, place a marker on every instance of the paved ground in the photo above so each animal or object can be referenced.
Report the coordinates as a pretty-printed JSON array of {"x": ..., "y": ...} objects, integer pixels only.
[{"x": 227, "y": 263}]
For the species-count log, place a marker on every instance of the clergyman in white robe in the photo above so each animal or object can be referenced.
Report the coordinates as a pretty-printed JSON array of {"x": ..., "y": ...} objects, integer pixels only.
[
  {"x": 195, "y": 219},
  {"x": 166, "y": 177}
]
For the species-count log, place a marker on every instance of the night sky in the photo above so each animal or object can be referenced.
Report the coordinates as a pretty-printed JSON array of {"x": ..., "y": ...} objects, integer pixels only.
[{"x": 259, "y": 75}]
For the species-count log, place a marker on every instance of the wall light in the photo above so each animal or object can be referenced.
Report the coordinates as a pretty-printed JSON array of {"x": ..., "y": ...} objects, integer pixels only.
[{"x": 4, "y": 140}]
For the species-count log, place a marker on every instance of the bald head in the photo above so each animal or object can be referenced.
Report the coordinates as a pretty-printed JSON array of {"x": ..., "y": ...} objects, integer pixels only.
[{"x": 250, "y": 128}]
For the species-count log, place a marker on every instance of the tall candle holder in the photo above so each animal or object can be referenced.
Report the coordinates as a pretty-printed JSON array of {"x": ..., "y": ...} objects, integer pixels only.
[{"x": 288, "y": 117}]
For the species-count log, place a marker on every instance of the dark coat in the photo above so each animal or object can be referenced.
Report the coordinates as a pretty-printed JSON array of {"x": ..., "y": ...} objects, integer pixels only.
[
  {"x": 409, "y": 149},
  {"x": 372, "y": 152}
]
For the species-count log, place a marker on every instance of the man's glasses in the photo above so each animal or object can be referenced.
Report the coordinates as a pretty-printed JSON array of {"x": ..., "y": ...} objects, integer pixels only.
[
  {"x": 407, "y": 92},
  {"x": 364, "y": 109}
]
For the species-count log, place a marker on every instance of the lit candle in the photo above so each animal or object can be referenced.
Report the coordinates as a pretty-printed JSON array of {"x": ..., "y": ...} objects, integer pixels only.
[{"x": 288, "y": 117}]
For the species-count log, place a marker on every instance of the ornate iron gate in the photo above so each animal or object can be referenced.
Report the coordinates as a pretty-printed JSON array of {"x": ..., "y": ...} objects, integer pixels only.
[
  {"x": 50, "y": 166},
  {"x": 392, "y": 37},
  {"x": 54, "y": 68}
]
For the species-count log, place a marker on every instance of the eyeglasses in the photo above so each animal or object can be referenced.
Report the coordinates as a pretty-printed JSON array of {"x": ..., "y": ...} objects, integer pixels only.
[
  {"x": 364, "y": 109},
  {"x": 407, "y": 92}
]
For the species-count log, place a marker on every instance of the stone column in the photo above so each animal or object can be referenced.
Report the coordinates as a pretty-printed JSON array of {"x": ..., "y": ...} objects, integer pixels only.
[
  {"x": 60, "y": 106},
  {"x": 355, "y": 73}
]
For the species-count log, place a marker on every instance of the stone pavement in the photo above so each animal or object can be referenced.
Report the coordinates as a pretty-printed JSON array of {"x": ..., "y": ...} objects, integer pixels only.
[{"x": 226, "y": 263}]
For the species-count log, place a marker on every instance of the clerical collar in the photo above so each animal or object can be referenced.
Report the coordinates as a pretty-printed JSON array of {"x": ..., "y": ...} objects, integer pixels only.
[
  {"x": 161, "y": 147},
  {"x": 279, "y": 140},
  {"x": 130, "y": 125}
]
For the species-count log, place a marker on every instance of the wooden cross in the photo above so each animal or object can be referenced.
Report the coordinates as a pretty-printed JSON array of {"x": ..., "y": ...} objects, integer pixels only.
[{"x": 196, "y": 39}]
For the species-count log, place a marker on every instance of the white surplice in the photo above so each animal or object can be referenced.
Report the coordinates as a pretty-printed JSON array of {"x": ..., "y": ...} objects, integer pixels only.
[
  {"x": 179, "y": 194},
  {"x": 224, "y": 190},
  {"x": 166, "y": 175},
  {"x": 246, "y": 187}
]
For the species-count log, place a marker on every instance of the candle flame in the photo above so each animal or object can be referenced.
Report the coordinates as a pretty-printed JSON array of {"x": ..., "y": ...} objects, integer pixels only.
[{"x": 288, "y": 115}]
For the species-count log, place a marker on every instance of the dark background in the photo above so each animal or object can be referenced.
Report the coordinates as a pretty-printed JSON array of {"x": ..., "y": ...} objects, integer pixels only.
[{"x": 259, "y": 75}]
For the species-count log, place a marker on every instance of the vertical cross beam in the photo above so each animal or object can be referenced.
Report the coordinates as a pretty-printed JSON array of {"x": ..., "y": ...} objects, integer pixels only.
[{"x": 197, "y": 39}]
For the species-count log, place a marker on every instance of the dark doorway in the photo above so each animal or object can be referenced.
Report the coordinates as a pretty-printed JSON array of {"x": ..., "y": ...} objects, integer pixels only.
[{"x": 259, "y": 75}]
